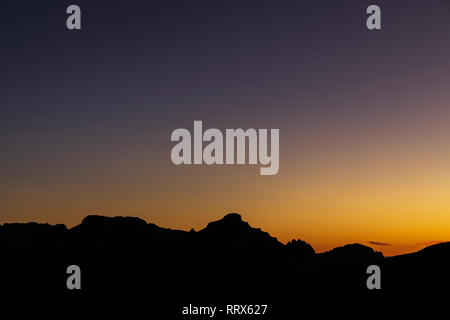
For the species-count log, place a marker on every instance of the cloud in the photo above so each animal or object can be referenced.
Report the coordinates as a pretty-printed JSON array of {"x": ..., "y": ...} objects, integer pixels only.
[{"x": 376, "y": 243}]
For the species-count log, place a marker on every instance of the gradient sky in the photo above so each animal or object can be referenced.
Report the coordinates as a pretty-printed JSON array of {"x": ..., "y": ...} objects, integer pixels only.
[{"x": 86, "y": 116}]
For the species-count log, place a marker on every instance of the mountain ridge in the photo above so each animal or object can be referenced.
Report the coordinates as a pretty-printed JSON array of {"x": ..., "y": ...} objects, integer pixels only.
[
  {"x": 126, "y": 255},
  {"x": 230, "y": 220}
]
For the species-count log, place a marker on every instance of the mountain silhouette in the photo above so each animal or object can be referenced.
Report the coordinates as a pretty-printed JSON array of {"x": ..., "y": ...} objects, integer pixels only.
[
  {"x": 352, "y": 253},
  {"x": 128, "y": 256}
]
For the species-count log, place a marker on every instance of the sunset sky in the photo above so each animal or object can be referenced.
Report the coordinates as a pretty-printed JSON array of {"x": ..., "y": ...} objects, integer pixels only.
[{"x": 364, "y": 116}]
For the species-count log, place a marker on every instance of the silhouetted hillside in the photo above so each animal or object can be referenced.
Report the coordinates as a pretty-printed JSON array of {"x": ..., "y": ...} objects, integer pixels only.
[
  {"x": 351, "y": 253},
  {"x": 427, "y": 269},
  {"x": 127, "y": 256}
]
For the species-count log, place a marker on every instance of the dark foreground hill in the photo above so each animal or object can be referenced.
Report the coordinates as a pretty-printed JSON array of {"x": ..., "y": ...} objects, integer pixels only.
[{"x": 228, "y": 258}]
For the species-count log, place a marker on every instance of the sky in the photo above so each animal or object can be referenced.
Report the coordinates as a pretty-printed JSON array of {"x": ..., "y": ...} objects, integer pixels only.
[{"x": 86, "y": 116}]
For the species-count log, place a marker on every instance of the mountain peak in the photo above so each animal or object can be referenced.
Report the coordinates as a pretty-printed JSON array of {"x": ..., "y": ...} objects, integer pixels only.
[
  {"x": 98, "y": 223},
  {"x": 236, "y": 217},
  {"x": 97, "y": 219},
  {"x": 353, "y": 251},
  {"x": 231, "y": 221}
]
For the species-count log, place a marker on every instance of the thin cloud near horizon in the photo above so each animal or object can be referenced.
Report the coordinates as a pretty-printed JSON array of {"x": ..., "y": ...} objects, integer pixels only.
[{"x": 376, "y": 243}]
